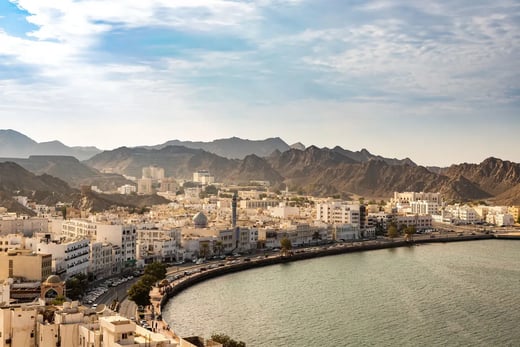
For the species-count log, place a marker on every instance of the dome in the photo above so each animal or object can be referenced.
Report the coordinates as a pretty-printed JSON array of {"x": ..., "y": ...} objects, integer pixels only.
[
  {"x": 200, "y": 220},
  {"x": 53, "y": 279}
]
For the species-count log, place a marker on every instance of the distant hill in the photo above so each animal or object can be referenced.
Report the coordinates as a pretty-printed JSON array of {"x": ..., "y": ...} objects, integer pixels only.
[
  {"x": 494, "y": 176},
  {"x": 17, "y": 145},
  {"x": 232, "y": 148},
  {"x": 45, "y": 189},
  {"x": 70, "y": 170},
  {"x": 322, "y": 171}
]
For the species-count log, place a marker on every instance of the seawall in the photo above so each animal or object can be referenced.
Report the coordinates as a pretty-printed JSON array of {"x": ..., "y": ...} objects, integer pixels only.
[{"x": 187, "y": 282}]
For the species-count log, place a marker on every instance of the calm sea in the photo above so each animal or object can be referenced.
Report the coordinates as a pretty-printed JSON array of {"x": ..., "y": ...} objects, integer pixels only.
[{"x": 452, "y": 294}]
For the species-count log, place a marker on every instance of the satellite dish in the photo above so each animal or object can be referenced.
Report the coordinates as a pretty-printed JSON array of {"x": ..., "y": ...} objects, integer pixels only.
[{"x": 101, "y": 308}]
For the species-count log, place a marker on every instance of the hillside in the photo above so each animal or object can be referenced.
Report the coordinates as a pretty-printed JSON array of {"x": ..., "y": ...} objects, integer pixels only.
[
  {"x": 70, "y": 170},
  {"x": 495, "y": 176},
  {"x": 17, "y": 145},
  {"x": 321, "y": 171},
  {"x": 45, "y": 189}
]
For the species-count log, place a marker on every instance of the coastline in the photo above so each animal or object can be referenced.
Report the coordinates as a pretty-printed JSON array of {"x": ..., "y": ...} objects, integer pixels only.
[{"x": 184, "y": 283}]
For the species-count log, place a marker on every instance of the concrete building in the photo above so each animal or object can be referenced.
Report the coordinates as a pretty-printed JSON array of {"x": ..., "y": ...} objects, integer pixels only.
[
  {"x": 203, "y": 177},
  {"x": 25, "y": 264},
  {"x": 69, "y": 258},
  {"x": 339, "y": 212},
  {"x": 158, "y": 245},
  {"x": 145, "y": 186},
  {"x": 256, "y": 204},
  {"x": 12, "y": 224},
  {"x": 102, "y": 259},
  {"x": 127, "y": 189},
  {"x": 346, "y": 232},
  {"x": 283, "y": 212},
  {"x": 408, "y": 197},
  {"x": 418, "y": 221},
  {"x": 153, "y": 172}
]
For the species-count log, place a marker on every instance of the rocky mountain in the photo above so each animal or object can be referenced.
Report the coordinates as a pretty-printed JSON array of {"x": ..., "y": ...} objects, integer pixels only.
[
  {"x": 494, "y": 176},
  {"x": 509, "y": 197},
  {"x": 322, "y": 171},
  {"x": 70, "y": 170},
  {"x": 49, "y": 190},
  {"x": 17, "y": 145},
  {"x": 364, "y": 155},
  {"x": 46, "y": 189},
  {"x": 177, "y": 161},
  {"x": 232, "y": 148}
]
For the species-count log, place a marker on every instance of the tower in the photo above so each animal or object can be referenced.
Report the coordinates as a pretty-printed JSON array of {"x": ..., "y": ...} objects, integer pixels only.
[{"x": 234, "y": 211}]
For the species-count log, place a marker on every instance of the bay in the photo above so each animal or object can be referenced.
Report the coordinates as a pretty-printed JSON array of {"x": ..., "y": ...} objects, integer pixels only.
[{"x": 451, "y": 294}]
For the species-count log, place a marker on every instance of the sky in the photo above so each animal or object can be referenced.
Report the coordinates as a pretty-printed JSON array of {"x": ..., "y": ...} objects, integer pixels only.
[{"x": 436, "y": 81}]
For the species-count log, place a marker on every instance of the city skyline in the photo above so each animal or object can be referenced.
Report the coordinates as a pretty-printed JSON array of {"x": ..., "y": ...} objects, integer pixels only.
[{"x": 437, "y": 82}]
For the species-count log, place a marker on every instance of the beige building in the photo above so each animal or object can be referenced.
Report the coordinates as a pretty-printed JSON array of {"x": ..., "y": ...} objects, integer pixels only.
[{"x": 25, "y": 264}]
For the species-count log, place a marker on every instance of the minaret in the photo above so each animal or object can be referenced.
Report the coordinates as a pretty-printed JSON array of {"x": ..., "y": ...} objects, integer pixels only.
[{"x": 234, "y": 211}]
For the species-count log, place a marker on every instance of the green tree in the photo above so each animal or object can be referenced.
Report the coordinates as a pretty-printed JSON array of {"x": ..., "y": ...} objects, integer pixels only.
[
  {"x": 147, "y": 280},
  {"x": 64, "y": 212},
  {"x": 392, "y": 232},
  {"x": 409, "y": 232},
  {"x": 286, "y": 245},
  {"x": 76, "y": 286},
  {"x": 227, "y": 341},
  {"x": 140, "y": 294},
  {"x": 157, "y": 270}
]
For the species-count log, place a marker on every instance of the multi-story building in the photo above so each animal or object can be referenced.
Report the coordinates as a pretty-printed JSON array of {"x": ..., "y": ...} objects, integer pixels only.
[
  {"x": 158, "y": 245},
  {"x": 153, "y": 172},
  {"x": 255, "y": 204},
  {"x": 340, "y": 212},
  {"x": 145, "y": 186},
  {"x": 424, "y": 207},
  {"x": 25, "y": 264},
  {"x": 12, "y": 224},
  {"x": 102, "y": 259},
  {"x": 127, "y": 189},
  {"x": 418, "y": 221},
  {"x": 203, "y": 177},
  {"x": 408, "y": 197},
  {"x": 69, "y": 258},
  {"x": 346, "y": 232}
]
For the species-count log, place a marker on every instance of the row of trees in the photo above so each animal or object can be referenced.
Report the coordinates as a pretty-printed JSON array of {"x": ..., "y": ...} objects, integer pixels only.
[
  {"x": 394, "y": 231},
  {"x": 140, "y": 291}
]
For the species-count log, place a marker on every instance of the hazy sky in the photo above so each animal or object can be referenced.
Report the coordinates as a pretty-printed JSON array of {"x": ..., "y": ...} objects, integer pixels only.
[{"x": 436, "y": 81}]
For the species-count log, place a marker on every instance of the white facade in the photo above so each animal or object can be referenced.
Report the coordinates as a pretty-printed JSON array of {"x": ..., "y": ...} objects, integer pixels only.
[
  {"x": 338, "y": 213},
  {"x": 424, "y": 207},
  {"x": 161, "y": 245},
  {"x": 127, "y": 189},
  {"x": 203, "y": 176},
  {"x": 346, "y": 232},
  {"x": 101, "y": 259},
  {"x": 24, "y": 225},
  {"x": 408, "y": 197},
  {"x": 284, "y": 212},
  {"x": 69, "y": 258},
  {"x": 418, "y": 221}
]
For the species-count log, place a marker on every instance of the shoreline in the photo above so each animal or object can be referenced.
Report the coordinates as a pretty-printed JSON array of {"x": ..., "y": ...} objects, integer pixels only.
[{"x": 184, "y": 283}]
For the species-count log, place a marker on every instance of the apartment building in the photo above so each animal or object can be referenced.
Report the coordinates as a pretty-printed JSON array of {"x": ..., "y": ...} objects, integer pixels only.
[
  {"x": 13, "y": 224},
  {"x": 69, "y": 257},
  {"x": 340, "y": 212},
  {"x": 25, "y": 264}
]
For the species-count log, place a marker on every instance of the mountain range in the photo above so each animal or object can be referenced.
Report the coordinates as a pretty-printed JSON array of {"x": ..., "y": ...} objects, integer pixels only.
[
  {"x": 17, "y": 145},
  {"x": 308, "y": 170}
]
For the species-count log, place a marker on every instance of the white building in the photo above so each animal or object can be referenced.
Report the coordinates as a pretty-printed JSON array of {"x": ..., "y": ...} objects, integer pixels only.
[
  {"x": 127, "y": 189},
  {"x": 338, "y": 212},
  {"x": 346, "y": 232},
  {"x": 424, "y": 207},
  {"x": 418, "y": 221},
  {"x": 203, "y": 177},
  {"x": 282, "y": 211},
  {"x": 12, "y": 224},
  {"x": 159, "y": 245},
  {"x": 69, "y": 258}
]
